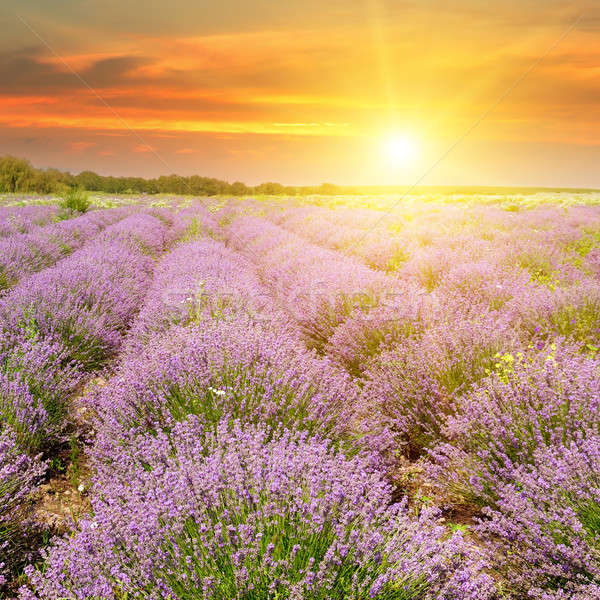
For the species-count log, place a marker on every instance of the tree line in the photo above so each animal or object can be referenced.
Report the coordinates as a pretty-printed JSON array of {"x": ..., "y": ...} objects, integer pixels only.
[{"x": 18, "y": 175}]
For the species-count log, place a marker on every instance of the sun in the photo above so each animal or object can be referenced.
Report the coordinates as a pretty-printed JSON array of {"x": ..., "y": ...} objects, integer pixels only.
[{"x": 399, "y": 150}]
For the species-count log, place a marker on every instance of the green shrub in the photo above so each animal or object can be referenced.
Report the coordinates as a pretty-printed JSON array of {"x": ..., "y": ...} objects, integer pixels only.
[{"x": 75, "y": 200}]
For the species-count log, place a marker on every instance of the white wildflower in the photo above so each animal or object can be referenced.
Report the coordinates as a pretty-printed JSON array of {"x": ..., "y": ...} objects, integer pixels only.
[{"x": 217, "y": 392}]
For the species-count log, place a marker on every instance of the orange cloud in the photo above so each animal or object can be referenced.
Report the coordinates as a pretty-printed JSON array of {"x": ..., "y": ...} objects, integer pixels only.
[
  {"x": 81, "y": 146},
  {"x": 143, "y": 148},
  {"x": 344, "y": 73}
]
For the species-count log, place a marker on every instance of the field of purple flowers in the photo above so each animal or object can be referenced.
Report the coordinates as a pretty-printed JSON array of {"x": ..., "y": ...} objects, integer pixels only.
[{"x": 302, "y": 398}]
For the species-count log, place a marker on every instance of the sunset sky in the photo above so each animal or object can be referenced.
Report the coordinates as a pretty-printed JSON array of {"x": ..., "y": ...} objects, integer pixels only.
[{"x": 305, "y": 91}]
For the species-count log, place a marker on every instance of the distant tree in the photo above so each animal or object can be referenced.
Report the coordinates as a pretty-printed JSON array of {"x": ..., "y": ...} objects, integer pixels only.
[
  {"x": 270, "y": 188},
  {"x": 237, "y": 188},
  {"x": 88, "y": 180},
  {"x": 151, "y": 186},
  {"x": 16, "y": 174},
  {"x": 328, "y": 189},
  {"x": 139, "y": 184},
  {"x": 45, "y": 182}
]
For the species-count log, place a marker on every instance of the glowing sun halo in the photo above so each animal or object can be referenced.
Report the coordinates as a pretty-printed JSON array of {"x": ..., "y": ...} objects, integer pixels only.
[{"x": 399, "y": 150}]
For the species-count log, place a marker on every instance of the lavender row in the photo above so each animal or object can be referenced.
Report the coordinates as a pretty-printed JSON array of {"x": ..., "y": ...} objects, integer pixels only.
[
  {"x": 23, "y": 254},
  {"x": 239, "y": 512},
  {"x": 21, "y": 219},
  {"x": 416, "y": 378},
  {"x": 524, "y": 446},
  {"x": 85, "y": 301},
  {"x": 214, "y": 478},
  {"x": 318, "y": 288},
  {"x": 191, "y": 221},
  {"x": 60, "y": 325},
  {"x": 210, "y": 341},
  {"x": 68, "y": 319},
  {"x": 197, "y": 281},
  {"x": 387, "y": 240}
]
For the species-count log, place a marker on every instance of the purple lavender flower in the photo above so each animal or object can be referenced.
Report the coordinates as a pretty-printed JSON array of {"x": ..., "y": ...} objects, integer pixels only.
[
  {"x": 530, "y": 401},
  {"x": 239, "y": 514},
  {"x": 26, "y": 253},
  {"x": 238, "y": 369},
  {"x": 545, "y": 529},
  {"x": 19, "y": 474},
  {"x": 199, "y": 281},
  {"x": 21, "y": 219}
]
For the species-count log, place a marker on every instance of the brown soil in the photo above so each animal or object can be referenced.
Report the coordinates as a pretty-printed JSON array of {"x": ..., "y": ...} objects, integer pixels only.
[{"x": 63, "y": 498}]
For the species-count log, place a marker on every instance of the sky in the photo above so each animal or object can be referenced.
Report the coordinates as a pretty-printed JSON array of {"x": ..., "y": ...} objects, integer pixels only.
[{"x": 306, "y": 91}]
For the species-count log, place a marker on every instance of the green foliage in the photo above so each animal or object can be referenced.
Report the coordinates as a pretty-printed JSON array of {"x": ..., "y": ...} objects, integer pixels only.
[
  {"x": 57, "y": 464},
  {"x": 195, "y": 230},
  {"x": 539, "y": 266},
  {"x": 16, "y": 174},
  {"x": 577, "y": 322},
  {"x": 189, "y": 564},
  {"x": 588, "y": 512},
  {"x": 5, "y": 281},
  {"x": 455, "y": 527},
  {"x": 584, "y": 245},
  {"x": 75, "y": 200},
  {"x": 395, "y": 262},
  {"x": 460, "y": 374},
  {"x": 237, "y": 392},
  {"x": 429, "y": 276}
]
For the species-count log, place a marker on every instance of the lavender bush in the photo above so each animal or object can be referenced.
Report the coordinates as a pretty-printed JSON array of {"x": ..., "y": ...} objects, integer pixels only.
[
  {"x": 241, "y": 515},
  {"x": 36, "y": 378},
  {"x": 23, "y": 254},
  {"x": 416, "y": 385},
  {"x": 236, "y": 370},
  {"x": 21, "y": 219},
  {"x": 545, "y": 529},
  {"x": 191, "y": 222},
  {"x": 19, "y": 474},
  {"x": 535, "y": 399},
  {"x": 21, "y": 412},
  {"x": 367, "y": 333},
  {"x": 198, "y": 281}
]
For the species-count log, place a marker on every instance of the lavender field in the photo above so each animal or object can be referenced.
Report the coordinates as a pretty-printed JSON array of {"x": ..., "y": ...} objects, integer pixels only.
[{"x": 301, "y": 398}]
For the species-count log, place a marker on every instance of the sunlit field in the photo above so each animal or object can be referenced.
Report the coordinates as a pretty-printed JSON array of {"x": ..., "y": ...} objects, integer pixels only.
[{"x": 312, "y": 397}]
